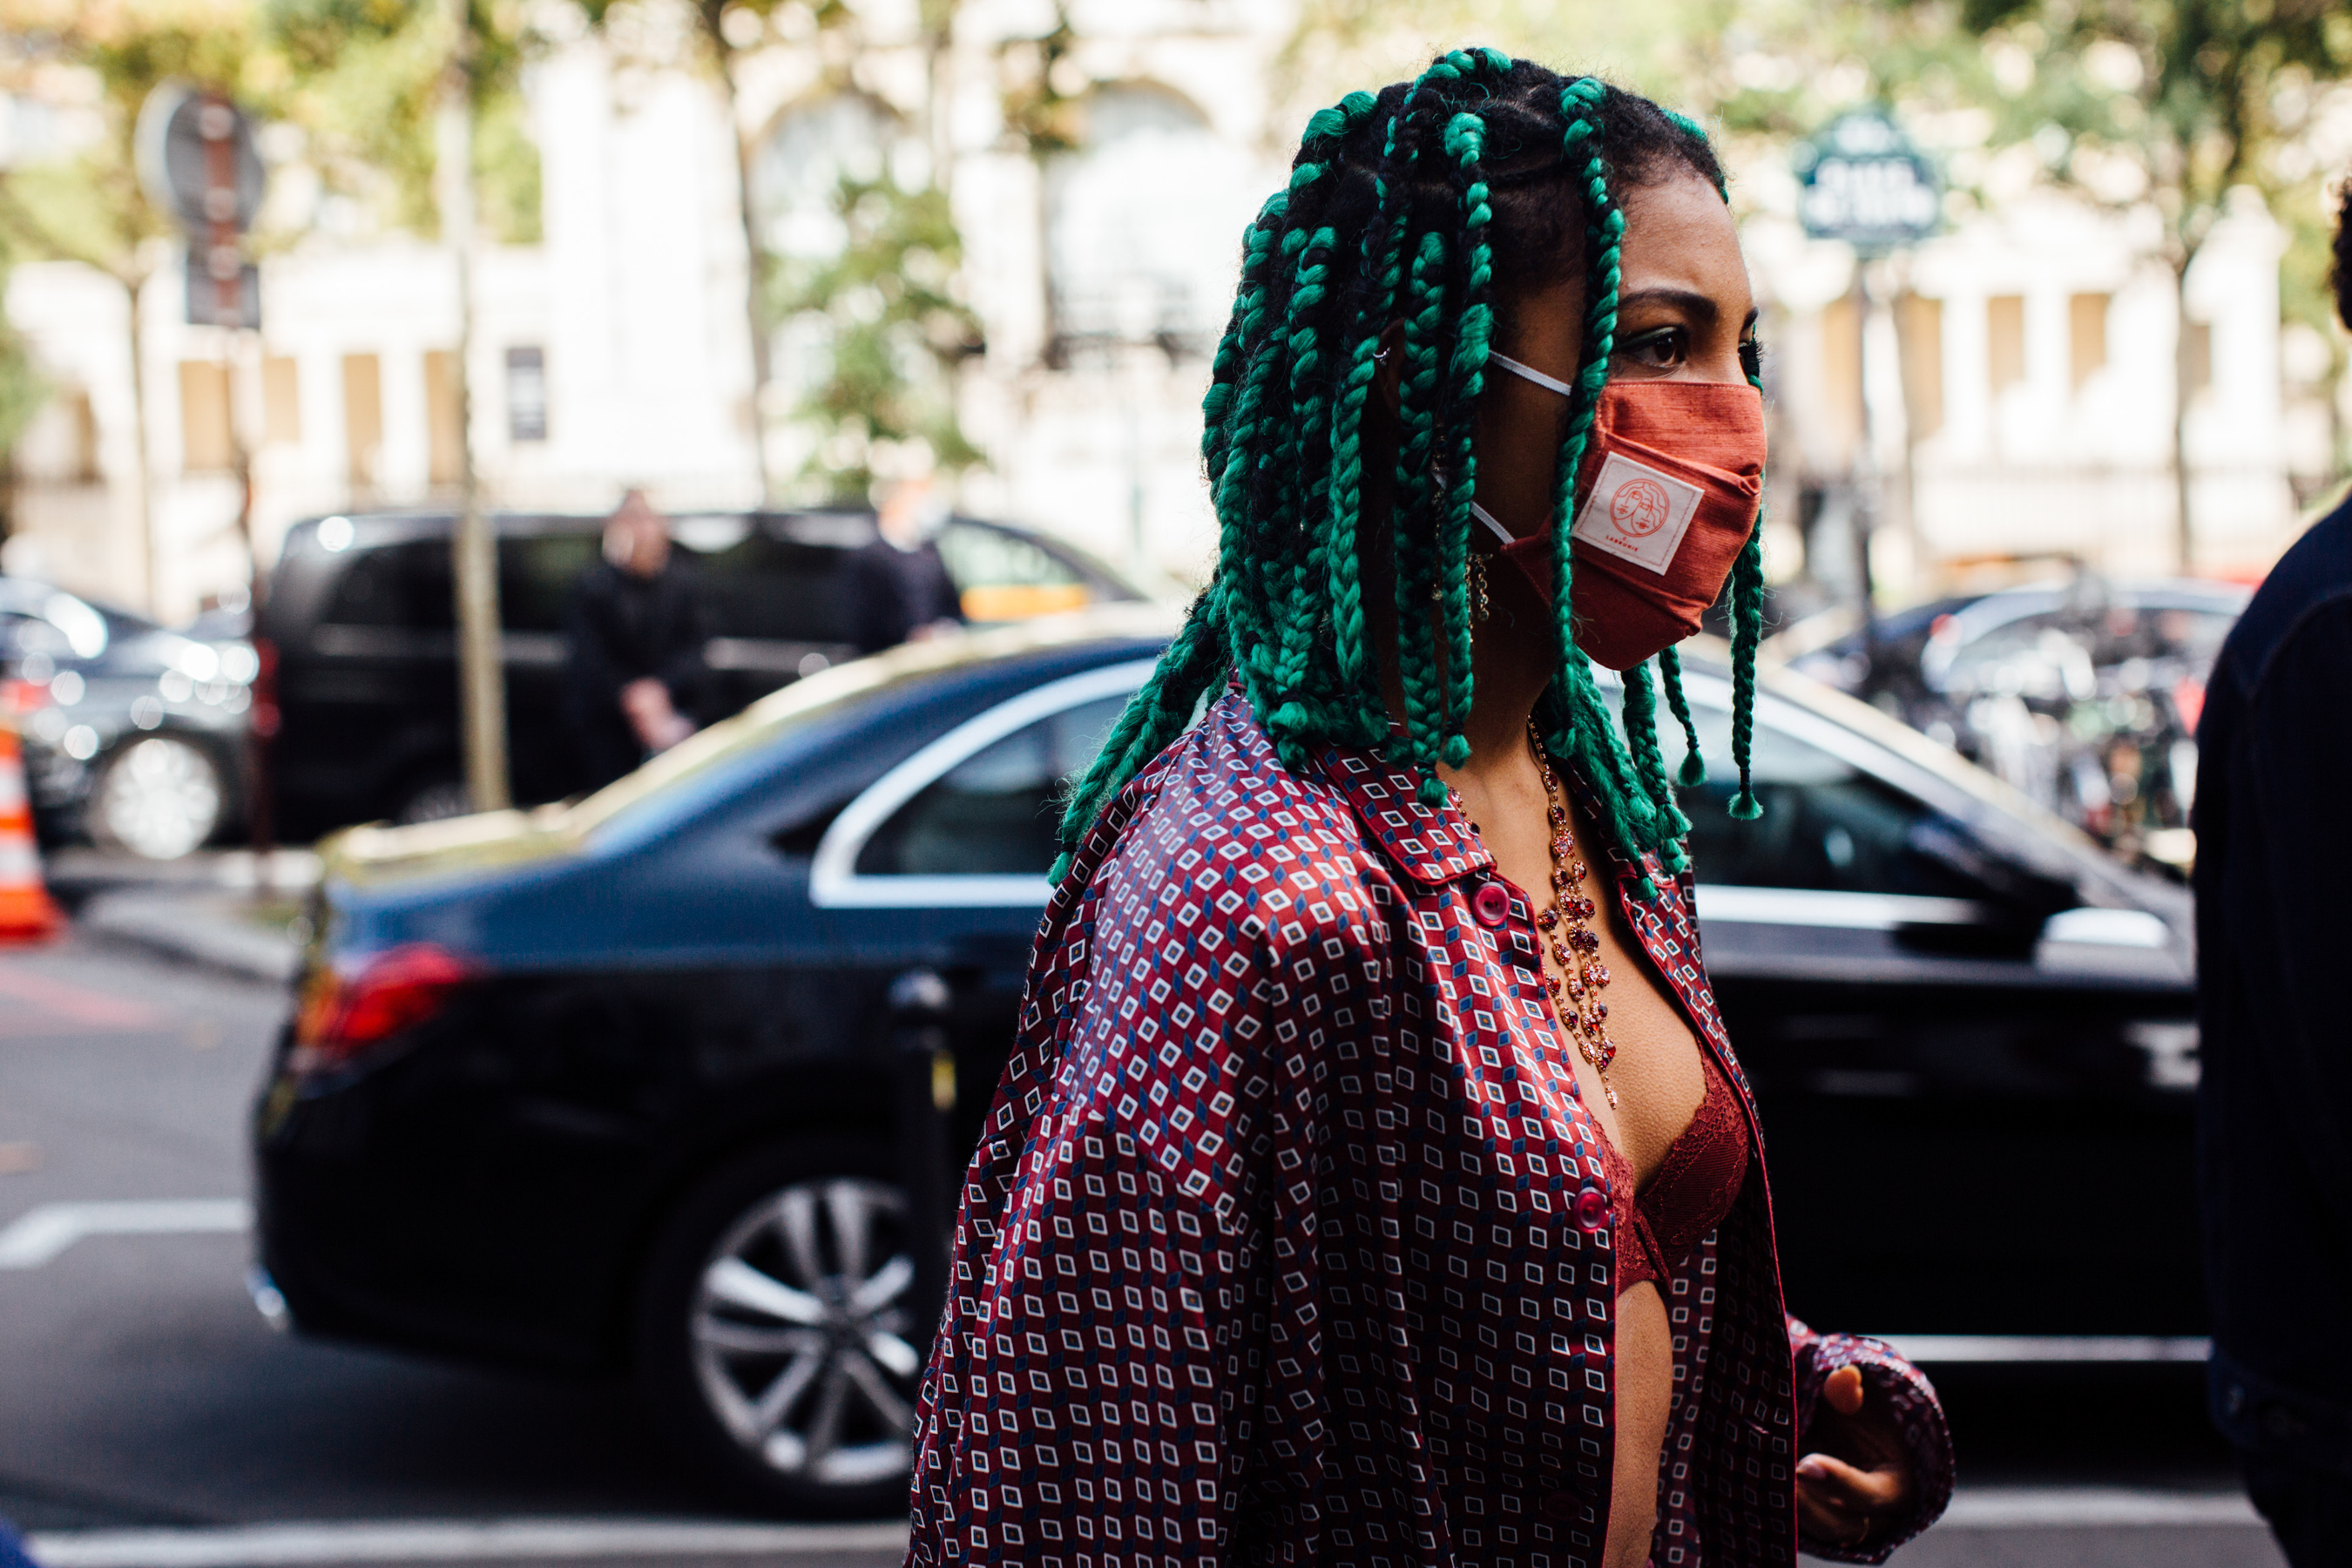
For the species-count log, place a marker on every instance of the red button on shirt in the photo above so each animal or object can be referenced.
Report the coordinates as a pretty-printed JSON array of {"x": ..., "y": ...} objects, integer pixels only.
[
  {"x": 1592, "y": 1208},
  {"x": 1491, "y": 904}
]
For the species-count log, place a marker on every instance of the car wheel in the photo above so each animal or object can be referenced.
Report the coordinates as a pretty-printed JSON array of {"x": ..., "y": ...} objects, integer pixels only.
[
  {"x": 774, "y": 1339},
  {"x": 157, "y": 797}
]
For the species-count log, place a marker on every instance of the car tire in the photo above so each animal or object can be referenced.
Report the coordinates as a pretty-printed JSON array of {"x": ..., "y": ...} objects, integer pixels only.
[
  {"x": 772, "y": 1336},
  {"x": 160, "y": 797}
]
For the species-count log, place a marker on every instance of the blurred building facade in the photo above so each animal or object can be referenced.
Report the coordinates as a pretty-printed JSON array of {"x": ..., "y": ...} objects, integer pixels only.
[
  {"x": 2020, "y": 394},
  {"x": 2018, "y": 387}
]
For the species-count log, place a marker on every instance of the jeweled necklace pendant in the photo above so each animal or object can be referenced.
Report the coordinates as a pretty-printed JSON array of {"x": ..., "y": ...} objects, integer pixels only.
[{"x": 1571, "y": 939}]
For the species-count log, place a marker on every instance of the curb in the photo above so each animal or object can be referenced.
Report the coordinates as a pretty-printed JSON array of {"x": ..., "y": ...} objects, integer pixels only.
[{"x": 207, "y": 929}]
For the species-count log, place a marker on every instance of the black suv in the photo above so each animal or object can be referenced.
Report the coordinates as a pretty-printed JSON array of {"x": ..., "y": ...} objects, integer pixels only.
[{"x": 360, "y": 623}]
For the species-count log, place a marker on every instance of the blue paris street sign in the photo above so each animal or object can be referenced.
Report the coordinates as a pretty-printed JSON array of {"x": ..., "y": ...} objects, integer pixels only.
[{"x": 1863, "y": 183}]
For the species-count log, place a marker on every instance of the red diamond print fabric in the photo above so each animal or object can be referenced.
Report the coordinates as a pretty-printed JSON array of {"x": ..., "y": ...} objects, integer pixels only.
[{"x": 1288, "y": 1237}]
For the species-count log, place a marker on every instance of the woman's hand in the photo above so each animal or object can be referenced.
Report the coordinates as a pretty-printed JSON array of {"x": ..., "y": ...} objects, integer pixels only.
[{"x": 1856, "y": 1483}]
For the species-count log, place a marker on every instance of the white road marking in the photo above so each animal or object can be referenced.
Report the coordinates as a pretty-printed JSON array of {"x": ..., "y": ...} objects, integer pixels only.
[
  {"x": 268, "y": 1546},
  {"x": 2025, "y": 1507},
  {"x": 2047, "y": 1347},
  {"x": 442, "y": 1541},
  {"x": 40, "y": 1234}
]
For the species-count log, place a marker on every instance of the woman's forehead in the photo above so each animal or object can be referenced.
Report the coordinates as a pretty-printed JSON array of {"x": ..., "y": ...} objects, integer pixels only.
[{"x": 1679, "y": 234}]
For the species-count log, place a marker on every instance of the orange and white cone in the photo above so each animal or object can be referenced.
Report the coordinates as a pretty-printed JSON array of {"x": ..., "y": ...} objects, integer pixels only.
[{"x": 27, "y": 912}]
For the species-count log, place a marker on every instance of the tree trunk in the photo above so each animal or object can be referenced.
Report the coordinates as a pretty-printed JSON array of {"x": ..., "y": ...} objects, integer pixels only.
[
  {"x": 131, "y": 289},
  {"x": 2184, "y": 541},
  {"x": 754, "y": 270},
  {"x": 474, "y": 561}
]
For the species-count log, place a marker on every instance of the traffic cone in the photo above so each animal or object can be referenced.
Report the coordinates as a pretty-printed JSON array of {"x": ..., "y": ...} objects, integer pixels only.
[{"x": 26, "y": 913}]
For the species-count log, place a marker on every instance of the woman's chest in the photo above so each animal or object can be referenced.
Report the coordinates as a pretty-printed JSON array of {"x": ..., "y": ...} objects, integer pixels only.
[{"x": 1607, "y": 1007}]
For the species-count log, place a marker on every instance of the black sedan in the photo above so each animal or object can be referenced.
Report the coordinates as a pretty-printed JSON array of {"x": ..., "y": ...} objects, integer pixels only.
[
  {"x": 624, "y": 1085},
  {"x": 135, "y": 737}
]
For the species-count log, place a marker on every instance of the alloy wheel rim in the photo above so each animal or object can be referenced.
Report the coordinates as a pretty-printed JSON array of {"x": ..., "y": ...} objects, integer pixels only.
[
  {"x": 160, "y": 798},
  {"x": 799, "y": 1331}
]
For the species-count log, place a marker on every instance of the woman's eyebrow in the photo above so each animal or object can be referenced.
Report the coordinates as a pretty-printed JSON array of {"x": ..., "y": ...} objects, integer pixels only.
[
  {"x": 1697, "y": 304},
  {"x": 1688, "y": 299}
]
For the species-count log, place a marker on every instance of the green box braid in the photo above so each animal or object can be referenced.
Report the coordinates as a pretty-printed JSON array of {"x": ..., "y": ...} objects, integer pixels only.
[
  {"x": 1746, "y": 616},
  {"x": 1359, "y": 239},
  {"x": 1576, "y": 723},
  {"x": 1383, "y": 248},
  {"x": 1466, "y": 143},
  {"x": 1670, "y": 672},
  {"x": 1304, "y": 456},
  {"x": 1416, "y": 563}
]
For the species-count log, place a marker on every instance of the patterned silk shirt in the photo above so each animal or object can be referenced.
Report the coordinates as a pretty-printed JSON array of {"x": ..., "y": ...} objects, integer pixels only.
[{"x": 1288, "y": 1239}]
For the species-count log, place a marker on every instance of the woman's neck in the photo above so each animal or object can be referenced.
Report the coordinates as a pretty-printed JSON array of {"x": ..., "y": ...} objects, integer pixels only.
[
  {"x": 1511, "y": 662},
  {"x": 1512, "y": 652}
]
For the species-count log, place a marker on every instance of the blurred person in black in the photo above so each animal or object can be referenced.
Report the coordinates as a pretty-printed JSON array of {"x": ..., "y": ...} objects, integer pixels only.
[
  {"x": 900, "y": 586},
  {"x": 2274, "y": 1105},
  {"x": 639, "y": 620}
]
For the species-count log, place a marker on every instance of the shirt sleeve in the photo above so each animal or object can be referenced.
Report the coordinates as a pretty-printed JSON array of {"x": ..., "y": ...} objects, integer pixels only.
[
  {"x": 2301, "y": 751},
  {"x": 1918, "y": 1415},
  {"x": 1118, "y": 1293}
]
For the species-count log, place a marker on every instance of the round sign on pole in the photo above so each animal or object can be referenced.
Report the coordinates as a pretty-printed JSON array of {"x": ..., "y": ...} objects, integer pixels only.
[
  {"x": 197, "y": 159},
  {"x": 1863, "y": 183},
  {"x": 188, "y": 141}
]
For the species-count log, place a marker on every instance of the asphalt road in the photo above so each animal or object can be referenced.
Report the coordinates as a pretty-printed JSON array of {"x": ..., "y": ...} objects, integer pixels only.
[{"x": 150, "y": 1419}]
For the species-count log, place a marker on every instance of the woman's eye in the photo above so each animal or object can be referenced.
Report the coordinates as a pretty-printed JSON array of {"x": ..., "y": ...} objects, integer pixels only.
[
  {"x": 1751, "y": 358},
  {"x": 1665, "y": 349}
]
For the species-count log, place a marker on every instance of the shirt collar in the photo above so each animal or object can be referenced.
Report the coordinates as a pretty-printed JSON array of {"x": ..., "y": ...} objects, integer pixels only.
[{"x": 1434, "y": 843}]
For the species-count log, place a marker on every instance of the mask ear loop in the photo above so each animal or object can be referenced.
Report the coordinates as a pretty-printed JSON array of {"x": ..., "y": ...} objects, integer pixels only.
[
  {"x": 1550, "y": 384},
  {"x": 1483, "y": 515},
  {"x": 1529, "y": 373}
]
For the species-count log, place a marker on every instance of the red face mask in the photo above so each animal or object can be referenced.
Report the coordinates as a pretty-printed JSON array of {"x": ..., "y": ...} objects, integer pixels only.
[{"x": 1670, "y": 487}]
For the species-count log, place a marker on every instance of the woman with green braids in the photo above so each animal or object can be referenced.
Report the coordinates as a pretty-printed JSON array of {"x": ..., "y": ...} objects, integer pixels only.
[{"x": 1373, "y": 1180}]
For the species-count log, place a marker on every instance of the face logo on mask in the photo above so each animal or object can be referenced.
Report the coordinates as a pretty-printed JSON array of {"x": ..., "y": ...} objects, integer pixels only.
[
  {"x": 1636, "y": 513},
  {"x": 1638, "y": 509}
]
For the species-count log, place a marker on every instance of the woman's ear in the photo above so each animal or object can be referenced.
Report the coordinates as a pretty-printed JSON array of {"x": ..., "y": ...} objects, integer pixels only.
[{"x": 1388, "y": 361}]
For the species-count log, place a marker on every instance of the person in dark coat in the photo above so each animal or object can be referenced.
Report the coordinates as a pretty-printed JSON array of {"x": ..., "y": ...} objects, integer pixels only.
[
  {"x": 635, "y": 670},
  {"x": 2275, "y": 1101},
  {"x": 899, "y": 587}
]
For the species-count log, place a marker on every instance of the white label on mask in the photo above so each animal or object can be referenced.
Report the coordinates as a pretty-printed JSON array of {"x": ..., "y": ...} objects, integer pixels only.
[{"x": 1636, "y": 513}]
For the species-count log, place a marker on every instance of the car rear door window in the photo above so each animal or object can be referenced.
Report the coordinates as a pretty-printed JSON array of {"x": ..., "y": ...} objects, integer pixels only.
[
  {"x": 1827, "y": 826},
  {"x": 407, "y": 585},
  {"x": 403, "y": 585},
  {"x": 537, "y": 573},
  {"x": 995, "y": 813},
  {"x": 1002, "y": 577},
  {"x": 773, "y": 586}
]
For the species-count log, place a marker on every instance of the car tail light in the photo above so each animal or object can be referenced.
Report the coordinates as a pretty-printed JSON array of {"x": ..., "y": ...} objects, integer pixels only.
[
  {"x": 265, "y": 715},
  {"x": 341, "y": 1017}
]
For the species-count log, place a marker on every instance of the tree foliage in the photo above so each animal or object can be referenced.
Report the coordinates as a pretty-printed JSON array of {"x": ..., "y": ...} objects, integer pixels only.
[
  {"x": 892, "y": 330},
  {"x": 22, "y": 390},
  {"x": 2173, "y": 103},
  {"x": 364, "y": 79},
  {"x": 88, "y": 206}
]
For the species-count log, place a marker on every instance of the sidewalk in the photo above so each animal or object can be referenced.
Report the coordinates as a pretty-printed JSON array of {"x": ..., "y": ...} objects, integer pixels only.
[{"x": 206, "y": 909}]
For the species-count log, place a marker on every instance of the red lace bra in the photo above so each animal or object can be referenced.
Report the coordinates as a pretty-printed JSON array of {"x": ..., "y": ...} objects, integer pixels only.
[{"x": 1692, "y": 1192}]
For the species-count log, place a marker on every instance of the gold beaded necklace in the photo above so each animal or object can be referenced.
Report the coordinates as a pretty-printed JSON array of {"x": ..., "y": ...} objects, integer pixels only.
[{"x": 1568, "y": 931}]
